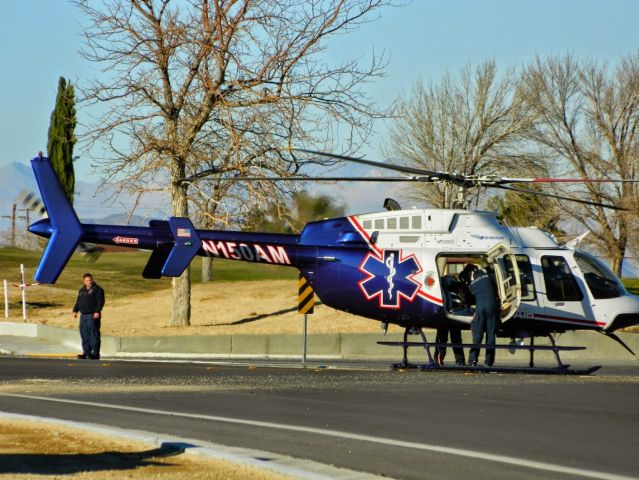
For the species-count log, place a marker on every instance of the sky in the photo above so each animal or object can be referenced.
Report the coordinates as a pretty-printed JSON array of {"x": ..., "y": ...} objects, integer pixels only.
[{"x": 423, "y": 40}]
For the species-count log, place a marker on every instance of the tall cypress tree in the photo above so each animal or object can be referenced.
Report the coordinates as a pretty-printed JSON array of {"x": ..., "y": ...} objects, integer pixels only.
[{"x": 61, "y": 136}]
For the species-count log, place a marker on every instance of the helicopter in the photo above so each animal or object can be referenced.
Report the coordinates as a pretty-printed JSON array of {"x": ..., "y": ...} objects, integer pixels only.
[{"x": 388, "y": 266}]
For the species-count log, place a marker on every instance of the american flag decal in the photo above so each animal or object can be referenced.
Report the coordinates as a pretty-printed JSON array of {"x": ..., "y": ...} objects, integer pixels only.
[{"x": 184, "y": 232}]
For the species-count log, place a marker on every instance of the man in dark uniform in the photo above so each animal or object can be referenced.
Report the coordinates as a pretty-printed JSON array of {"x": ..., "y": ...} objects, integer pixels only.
[
  {"x": 486, "y": 314},
  {"x": 89, "y": 303}
]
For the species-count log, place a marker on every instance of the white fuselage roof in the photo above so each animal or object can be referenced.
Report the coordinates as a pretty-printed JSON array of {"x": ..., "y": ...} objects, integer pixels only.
[{"x": 448, "y": 230}]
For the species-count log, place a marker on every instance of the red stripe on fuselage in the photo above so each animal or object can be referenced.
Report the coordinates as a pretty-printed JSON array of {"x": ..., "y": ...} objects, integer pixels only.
[
  {"x": 566, "y": 319},
  {"x": 364, "y": 234},
  {"x": 430, "y": 298}
]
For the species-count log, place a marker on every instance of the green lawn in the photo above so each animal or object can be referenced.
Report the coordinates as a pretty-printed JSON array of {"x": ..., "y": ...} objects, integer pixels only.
[
  {"x": 632, "y": 285},
  {"x": 121, "y": 273}
]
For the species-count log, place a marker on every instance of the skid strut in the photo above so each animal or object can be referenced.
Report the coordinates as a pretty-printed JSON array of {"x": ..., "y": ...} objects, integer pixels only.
[
  {"x": 555, "y": 350},
  {"x": 406, "y": 344},
  {"x": 531, "y": 363}
]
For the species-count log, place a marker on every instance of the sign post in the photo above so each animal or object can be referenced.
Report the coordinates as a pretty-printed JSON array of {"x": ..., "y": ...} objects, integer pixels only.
[
  {"x": 6, "y": 299},
  {"x": 305, "y": 305}
]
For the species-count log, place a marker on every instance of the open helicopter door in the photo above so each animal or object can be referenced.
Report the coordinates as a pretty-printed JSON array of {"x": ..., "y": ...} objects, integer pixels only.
[{"x": 504, "y": 264}]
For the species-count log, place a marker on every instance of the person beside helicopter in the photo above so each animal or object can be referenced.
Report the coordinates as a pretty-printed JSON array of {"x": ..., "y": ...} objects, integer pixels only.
[
  {"x": 486, "y": 318},
  {"x": 452, "y": 287},
  {"x": 455, "y": 337}
]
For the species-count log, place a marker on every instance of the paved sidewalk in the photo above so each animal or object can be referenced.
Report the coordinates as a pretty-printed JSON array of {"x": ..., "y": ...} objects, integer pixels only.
[
  {"x": 44, "y": 340},
  {"x": 34, "y": 346}
]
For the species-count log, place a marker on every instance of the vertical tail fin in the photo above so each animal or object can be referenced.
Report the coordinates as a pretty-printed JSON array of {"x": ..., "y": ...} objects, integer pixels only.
[{"x": 63, "y": 227}]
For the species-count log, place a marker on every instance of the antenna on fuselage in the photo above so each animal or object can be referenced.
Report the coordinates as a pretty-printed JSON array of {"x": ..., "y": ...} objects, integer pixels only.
[
  {"x": 391, "y": 204},
  {"x": 460, "y": 201}
]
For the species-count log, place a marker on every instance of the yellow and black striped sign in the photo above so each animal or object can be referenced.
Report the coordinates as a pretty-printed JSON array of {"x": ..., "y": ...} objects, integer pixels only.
[{"x": 306, "y": 297}]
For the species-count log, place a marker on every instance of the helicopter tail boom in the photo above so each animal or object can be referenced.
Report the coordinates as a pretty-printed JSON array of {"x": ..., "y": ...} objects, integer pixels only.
[{"x": 174, "y": 242}]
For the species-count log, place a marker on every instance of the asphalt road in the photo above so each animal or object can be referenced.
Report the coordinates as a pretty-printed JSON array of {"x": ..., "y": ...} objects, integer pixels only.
[{"x": 413, "y": 425}]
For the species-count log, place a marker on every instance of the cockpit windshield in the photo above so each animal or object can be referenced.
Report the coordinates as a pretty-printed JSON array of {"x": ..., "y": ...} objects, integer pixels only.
[{"x": 602, "y": 282}]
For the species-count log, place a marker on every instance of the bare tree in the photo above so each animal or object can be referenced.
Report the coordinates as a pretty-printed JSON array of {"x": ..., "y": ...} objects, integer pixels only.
[
  {"x": 470, "y": 125},
  {"x": 211, "y": 200},
  {"x": 588, "y": 118},
  {"x": 181, "y": 78}
]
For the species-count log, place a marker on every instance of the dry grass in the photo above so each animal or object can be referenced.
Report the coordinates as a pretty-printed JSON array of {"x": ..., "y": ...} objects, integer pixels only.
[
  {"x": 242, "y": 307},
  {"x": 30, "y": 450}
]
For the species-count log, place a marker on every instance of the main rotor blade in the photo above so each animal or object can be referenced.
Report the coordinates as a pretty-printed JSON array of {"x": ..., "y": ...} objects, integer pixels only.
[
  {"x": 565, "y": 180},
  {"x": 586, "y": 202},
  {"x": 323, "y": 179},
  {"x": 398, "y": 168}
]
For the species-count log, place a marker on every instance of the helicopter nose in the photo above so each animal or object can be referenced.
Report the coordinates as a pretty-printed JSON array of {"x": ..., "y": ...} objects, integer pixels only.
[
  {"x": 41, "y": 228},
  {"x": 629, "y": 315}
]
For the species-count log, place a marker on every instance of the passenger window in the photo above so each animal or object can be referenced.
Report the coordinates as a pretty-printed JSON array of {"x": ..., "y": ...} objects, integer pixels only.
[
  {"x": 403, "y": 223},
  {"x": 560, "y": 283},
  {"x": 525, "y": 277},
  {"x": 368, "y": 224},
  {"x": 391, "y": 223},
  {"x": 379, "y": 224},
  {"x": 417, "y": 222}
]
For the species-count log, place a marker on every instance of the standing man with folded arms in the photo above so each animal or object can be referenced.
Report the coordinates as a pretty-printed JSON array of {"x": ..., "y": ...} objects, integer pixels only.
[{"x": 89, "y": 303}]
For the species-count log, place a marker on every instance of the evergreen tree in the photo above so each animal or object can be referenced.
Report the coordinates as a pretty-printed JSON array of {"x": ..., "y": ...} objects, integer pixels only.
[
  {"x": 528, "y": 210},
  {"x": 61, "y": 136},
  {"x": 291, "y": 216}
]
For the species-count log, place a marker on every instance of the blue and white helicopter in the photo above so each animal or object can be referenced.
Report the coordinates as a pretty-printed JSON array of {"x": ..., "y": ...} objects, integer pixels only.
[{"x": 388, "y": 266}]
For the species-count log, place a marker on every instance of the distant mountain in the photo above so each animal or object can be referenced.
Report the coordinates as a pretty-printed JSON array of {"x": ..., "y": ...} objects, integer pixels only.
[{"x": 13, "y": 178}]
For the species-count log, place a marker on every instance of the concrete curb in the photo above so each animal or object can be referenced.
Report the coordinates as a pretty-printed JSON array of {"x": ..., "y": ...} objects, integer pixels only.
[
  {"x": 298, "y": 468},
  {"x": 343, "y": 346}
]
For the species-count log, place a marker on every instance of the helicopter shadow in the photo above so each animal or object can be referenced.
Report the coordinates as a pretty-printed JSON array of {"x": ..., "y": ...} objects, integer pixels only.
[
  {"x": 261, "y": 316},
  {"x": 66, "y": 464}
]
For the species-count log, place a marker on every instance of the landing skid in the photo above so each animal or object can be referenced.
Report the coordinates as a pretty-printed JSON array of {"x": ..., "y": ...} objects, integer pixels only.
[{"x": 560, "y": 369}]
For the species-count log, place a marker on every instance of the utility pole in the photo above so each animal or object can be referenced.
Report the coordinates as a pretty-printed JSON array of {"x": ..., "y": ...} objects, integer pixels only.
[{"x": 13, "y": 225}]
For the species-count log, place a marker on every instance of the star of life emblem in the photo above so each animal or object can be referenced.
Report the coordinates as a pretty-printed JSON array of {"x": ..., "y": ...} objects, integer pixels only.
[{"x": 390, "y": 277}]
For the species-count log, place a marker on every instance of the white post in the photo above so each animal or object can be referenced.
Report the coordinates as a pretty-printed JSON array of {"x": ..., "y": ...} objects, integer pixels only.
[
  {"x": 6, "y": 299},
  {"x": 24, "y": 294}
]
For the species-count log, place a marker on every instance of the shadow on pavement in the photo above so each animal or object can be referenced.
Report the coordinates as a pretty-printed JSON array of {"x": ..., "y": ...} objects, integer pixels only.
[
  {"x": 42, "y": 463},
  {"x": 257, "y": 317}
]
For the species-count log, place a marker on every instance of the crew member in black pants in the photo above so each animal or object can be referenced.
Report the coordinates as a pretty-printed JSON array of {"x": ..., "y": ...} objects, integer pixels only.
[
  {"x": 89, "y": 303},
  {"x": 450, "y": 286},
  {"x": 455, "y": 337}
]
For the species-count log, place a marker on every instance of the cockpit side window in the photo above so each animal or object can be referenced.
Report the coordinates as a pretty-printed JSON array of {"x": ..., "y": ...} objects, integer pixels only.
[
  {"x": 561, "y": 285},
  {"x": 601, "y": 282}
]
